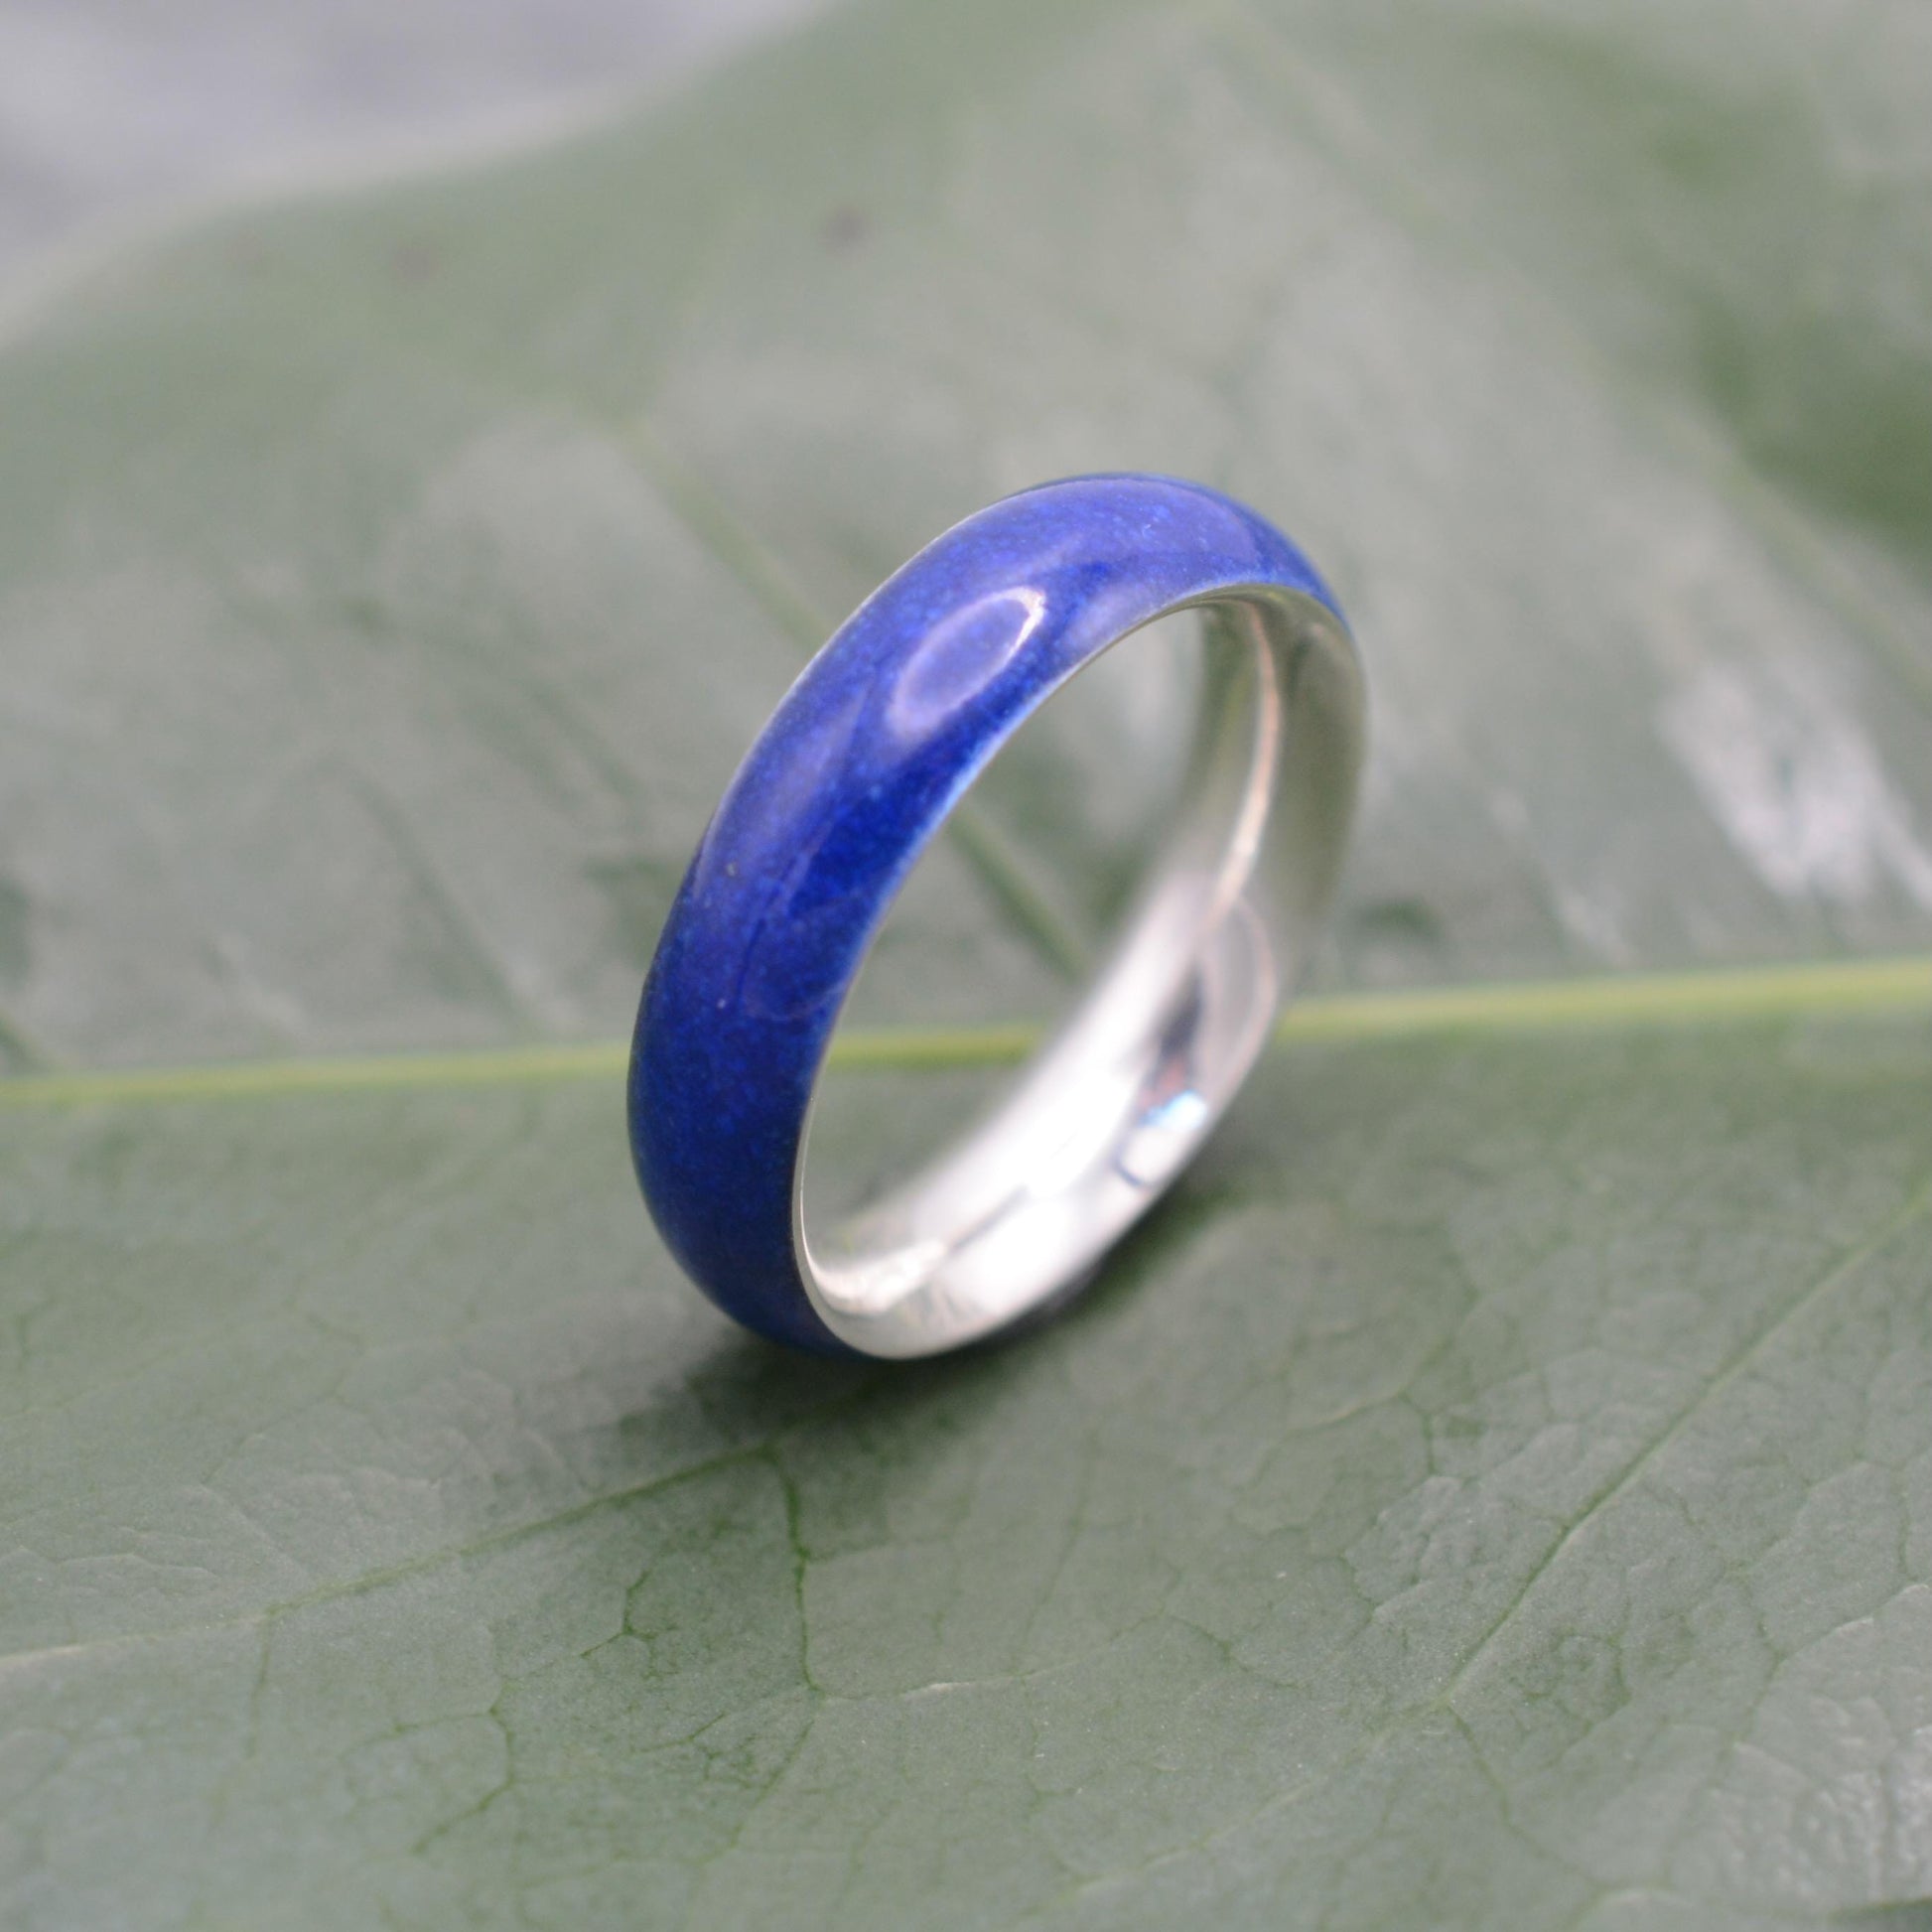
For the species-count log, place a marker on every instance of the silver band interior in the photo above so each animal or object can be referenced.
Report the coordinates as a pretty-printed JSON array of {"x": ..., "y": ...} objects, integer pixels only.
[{"x": 1108, "y": 1112}]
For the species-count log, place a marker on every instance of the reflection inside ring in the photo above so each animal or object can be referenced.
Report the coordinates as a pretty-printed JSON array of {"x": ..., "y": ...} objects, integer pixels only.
[{"x": 1101, "y": 1119}]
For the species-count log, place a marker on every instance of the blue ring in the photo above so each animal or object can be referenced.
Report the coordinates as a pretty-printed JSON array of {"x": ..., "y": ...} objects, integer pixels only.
[{"x": 872, "y": 746}]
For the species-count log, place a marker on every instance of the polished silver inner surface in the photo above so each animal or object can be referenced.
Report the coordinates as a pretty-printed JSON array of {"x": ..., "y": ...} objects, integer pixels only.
[{"x": 1094, "y": 1128}]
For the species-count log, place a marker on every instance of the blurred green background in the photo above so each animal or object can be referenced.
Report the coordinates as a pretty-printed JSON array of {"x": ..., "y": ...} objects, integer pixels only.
[
  {"x": 1495, "y": 1490},
  {"x": 111, "y": 112}
]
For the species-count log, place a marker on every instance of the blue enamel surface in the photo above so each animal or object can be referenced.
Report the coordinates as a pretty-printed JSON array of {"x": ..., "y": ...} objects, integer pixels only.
[{"x": 884, "y": 728}]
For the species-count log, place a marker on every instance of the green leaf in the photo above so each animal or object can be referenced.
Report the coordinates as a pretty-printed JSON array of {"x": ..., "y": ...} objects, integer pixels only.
[
  {"x": 1499, "y": 1492},
  {"x": 1495, "y": 1490}
]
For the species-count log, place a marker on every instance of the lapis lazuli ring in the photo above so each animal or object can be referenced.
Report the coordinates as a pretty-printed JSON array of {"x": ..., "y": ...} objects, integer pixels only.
[{"x": 879, "y": 738}]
